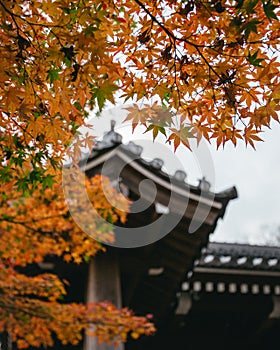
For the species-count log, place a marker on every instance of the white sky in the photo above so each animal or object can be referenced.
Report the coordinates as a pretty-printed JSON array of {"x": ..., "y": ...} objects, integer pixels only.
[{"x": 256, "y": 175}]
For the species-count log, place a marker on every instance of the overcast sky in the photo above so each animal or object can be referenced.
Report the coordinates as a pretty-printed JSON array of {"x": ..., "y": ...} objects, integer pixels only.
[{"x": 256, "y": 175}]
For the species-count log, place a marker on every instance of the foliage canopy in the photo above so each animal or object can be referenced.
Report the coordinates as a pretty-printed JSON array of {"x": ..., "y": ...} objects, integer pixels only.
[
  {"x": 32, "y": 308},
  {"x": 214, "y": 63}
]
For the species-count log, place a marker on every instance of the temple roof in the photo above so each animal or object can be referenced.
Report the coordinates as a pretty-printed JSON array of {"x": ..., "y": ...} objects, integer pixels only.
[
  {"x": 240, "y": 256},
  {"x": 152, "y": 274},
  {"x": 111, "y": 145},
  {"x": 236, "y": 268}
]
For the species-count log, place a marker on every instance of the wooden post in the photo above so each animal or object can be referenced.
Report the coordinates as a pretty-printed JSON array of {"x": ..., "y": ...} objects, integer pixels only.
[{"x": 103, "y": 284}]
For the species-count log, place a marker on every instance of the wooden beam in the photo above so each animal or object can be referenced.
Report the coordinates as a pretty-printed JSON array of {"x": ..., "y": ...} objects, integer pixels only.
[{"x": 104, "y": 284}]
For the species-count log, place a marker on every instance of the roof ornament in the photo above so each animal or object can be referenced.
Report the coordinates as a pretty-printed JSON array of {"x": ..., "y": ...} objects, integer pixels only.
[
  {"x": 113, "y": 123},
  {"x": 157, "y": 163},
  {"x": 111, "y": 138},
  {"x": 204, "y": 185},
  {"x": 133, "y": 148},
  {"x": 180, "y": 175}
]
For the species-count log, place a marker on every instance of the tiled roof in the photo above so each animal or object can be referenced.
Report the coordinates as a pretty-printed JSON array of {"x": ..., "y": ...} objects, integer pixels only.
[
  {"x": 112, "y": 140},
  {"x": 240, "y": 256},
  {"x": 153, "y": 273}
]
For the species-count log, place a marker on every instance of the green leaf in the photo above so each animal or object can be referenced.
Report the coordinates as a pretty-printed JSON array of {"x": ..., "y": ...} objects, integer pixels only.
[
  {"x": 254, "y": 60},
  {"x": 149, "y": 128},
  {"x": 239, "y": 4},
  {"x": 22, "y": 185},
  {"x": 86, "y": 258},
  {"x": 104, "y": 93},
  {"x": 250, "y": 26},
  {"x": 7, "y": 217},
  {"x": 67, "y": 62},
  {"x": 166, "y": 96},
  {"x": 17, "y": 142},
  {"x": 250, "y": 5},
  {"x": 269, "y": 10},
  {"x": 5, "y": 174},
  {"x": 89, "y": 31},
  {"x": 186, "y": 132},
  {"x": 53, "y": 74},
  {"x": 48, "y": 181},
  {"x": 155, "y": 129},
  {"x": 162, "y": 130},
  {"x": 7, "y": 26},
  {"x": 35, "y": 175}
]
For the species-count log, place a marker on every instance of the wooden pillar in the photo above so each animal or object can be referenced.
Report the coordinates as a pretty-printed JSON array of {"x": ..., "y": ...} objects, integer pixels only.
[
  {"x": 184, "y": 304},
  {"x": 275, "y": 313},
  {"x": 103, "y": 284}
]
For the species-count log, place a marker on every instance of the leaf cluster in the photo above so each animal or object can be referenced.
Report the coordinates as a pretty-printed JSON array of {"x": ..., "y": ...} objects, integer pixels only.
[
  {"x": 39, "y": 226},
  {"x": 203, "y": 60}
]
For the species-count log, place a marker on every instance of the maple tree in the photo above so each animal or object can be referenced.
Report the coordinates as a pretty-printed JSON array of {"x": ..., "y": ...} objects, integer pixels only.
[
  {"x": 213, "y": 63},
  {"x": 212, "y": 66},
  {"x": 38, "y": 226}
]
